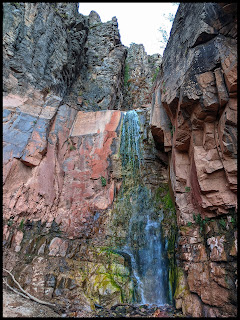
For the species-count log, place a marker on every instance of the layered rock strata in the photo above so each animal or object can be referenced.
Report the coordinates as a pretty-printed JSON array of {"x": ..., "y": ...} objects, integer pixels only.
[
  {"x": 43, "y": 46},
  {"x": 62, "y": 167},
  {"x": 61, "y": 164},
  {"x": 100, "y": 83},
  {"x": 194, "y": 120}
]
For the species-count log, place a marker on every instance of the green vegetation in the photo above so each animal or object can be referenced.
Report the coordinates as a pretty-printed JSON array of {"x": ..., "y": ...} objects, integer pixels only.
[
  {"x": 155, "y": 74},
  {"x": 168, "y": 203},
  {"x": 201, "y": 222},
  {"x": 104, "y": 182},
  {"x": 222, "y": 223},
  {"x": 21, "y": 225},
  {"x": 10, "y": 222},
  {"x": 72, "y": 147},
  {"x": 172, "y": 130},
  {"x": 126, "y": 75},
  {"x": 16, "y": 4},
  {"x": 233, "y": 221},
  {"x": 62, "y": 15},
  {"x": 187, "y": 189},
  {"x": 169, "y": 227}
]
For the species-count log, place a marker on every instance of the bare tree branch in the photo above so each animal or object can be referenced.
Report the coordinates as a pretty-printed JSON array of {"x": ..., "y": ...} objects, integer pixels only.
[
  {"x": 28, "y": 294},
  {"x": 14, "y": 290}
]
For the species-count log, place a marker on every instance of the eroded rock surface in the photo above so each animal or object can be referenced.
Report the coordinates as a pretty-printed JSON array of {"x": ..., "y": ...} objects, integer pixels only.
[
  {"x": 62, "y": 164},
  {"x": 15, "y": 306},
  {"x": 63, "y": 83},
  {"x": 139, "y": 74},
  {"x": 194, "y": 119}
]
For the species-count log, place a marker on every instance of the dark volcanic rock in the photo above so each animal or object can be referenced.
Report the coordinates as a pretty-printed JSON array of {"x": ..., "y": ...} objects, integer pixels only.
[
  {"x": 99, "y": 86},
  {"x": 42, "y": 46}
]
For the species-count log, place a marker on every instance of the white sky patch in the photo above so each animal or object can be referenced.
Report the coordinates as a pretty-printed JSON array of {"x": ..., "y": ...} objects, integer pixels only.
[{"x": 138, "y": 22}]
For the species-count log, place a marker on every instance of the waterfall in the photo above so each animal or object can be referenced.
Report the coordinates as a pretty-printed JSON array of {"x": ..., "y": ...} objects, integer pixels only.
[
  {"x": 144, "y": 242},
  {"x": 130, "y": 142}
]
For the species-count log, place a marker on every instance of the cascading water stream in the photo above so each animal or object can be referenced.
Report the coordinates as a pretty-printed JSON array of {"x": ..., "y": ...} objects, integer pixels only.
[{"x": 144, "y": 244}]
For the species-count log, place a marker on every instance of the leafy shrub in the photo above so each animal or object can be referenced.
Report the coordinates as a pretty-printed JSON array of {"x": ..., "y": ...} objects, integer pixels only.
[
  {"x": 222, "y": 223},
  {"x": 201, "y": 222}
]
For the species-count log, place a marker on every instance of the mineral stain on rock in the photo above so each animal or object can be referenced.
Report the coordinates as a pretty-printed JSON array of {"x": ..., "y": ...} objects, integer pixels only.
[{"x": 119, "y": 168}]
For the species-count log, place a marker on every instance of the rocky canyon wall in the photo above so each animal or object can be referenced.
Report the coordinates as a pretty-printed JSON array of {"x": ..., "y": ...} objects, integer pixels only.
[
  {"x": 69, "y": 186},
  {"x": 63, "y": 79},
  {"x": 194, "y": 120}
]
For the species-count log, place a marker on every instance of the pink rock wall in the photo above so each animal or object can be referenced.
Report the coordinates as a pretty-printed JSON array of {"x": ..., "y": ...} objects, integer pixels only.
[
  {"x": 194, "y": 119},
  {"x": 60, "y": 178}
]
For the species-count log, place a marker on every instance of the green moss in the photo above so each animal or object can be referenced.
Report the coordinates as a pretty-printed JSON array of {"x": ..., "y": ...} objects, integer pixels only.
[
  {"x": 234, "y": 222},
  {"x": 167, "y": 201},
  {"x": 104, "y": 182},
  {"x": 10, "y": 222},
  {"x": 160, "y": 192},
  {"x": 181, "y": 285}
]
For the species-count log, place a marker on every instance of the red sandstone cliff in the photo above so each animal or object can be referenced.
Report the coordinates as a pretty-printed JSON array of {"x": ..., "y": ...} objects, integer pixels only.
[{"x": 194, "y": 120}]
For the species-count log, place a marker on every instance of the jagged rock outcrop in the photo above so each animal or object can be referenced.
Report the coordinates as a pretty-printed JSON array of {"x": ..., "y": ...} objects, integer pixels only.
[
  {"x": 194, "y": 119},
  {"x": 100, "y": 83},
  {"x": 43, "y": 46},
  {"x": 139, "y": 74}
]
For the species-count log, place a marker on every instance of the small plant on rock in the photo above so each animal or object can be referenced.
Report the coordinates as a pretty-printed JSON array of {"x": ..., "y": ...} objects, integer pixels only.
[
  {"x": 10, "y": 221},
  {"x": 72, "y": 147},
  {"x": 104, "y": 182},
  {"x": 222, "y": 223},
  {"x": 155, "y": 74},
  {"x": 21, "y": 225},
  {"x": 201, "y": 222}
]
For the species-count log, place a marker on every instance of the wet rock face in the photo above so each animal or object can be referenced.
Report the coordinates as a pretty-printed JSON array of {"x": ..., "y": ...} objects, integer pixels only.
[
  {"x": 57, "y": 210},
  {"x": 58, "y": 205},
  {"x": 60, "y": 163},
  {"x": 194, "y": 119}
]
